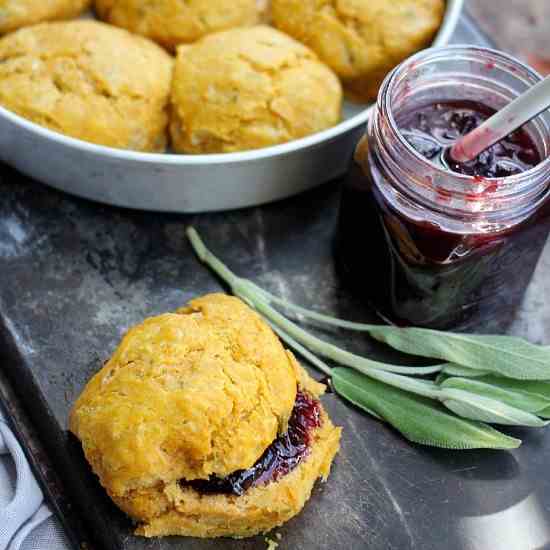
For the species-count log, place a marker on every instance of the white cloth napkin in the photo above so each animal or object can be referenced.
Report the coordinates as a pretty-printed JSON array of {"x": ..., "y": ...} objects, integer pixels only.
[{"x": 26, "y": 522}]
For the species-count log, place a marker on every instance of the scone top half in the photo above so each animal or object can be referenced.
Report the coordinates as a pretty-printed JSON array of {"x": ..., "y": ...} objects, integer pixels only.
[{"x": 200, "y": 392}]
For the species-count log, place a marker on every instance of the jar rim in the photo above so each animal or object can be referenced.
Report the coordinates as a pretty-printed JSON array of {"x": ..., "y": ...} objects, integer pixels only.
[{"x": 385, "y": 98}]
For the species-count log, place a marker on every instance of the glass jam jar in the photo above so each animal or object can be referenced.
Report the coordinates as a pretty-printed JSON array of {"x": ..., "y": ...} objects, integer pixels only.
[{"x": 431, "y": 246}]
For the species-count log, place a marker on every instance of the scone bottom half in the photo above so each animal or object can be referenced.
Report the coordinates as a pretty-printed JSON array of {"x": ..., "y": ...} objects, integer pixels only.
[{"x": 202, "y": 424}]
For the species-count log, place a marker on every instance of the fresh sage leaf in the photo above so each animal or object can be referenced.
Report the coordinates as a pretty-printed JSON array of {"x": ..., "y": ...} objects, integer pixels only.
[
  {"x": 517, "y": 397},
  {"x": 504, "y": 355},
  {"x": 419, "y": 419},
  {"x": 530, "y": 387},
  {"x": 484, "y": 409},
  {"x": 425, "y": 388},
  {"x": 458, "y": 370}
]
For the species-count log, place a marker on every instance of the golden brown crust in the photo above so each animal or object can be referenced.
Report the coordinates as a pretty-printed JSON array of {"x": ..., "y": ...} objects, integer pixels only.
[
  {"x": 90, "y": 81},
  {"x": 362, "y": 40},
  {"x": 186, "y": 395},
  {"x": 15, "y": 14},
  {"x": 173, "y": 22},
  {"x": 249, "y": 88}
]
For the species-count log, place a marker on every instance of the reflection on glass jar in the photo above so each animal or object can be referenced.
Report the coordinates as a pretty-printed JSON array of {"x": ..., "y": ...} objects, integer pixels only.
[{"x": 433, "y": 243}]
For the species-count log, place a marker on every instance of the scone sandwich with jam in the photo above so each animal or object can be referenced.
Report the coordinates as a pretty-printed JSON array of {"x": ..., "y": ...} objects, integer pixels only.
[{"x": 202, "y": 424}]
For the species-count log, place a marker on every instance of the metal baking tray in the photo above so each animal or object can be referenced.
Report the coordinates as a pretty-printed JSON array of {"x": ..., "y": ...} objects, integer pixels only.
[
  {"x": 188, "y": 183},
  {"x": 76, "y": 275}
]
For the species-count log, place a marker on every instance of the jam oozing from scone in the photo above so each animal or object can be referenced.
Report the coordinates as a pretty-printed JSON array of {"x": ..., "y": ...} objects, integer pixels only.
[{"x": 280, "y": 458}]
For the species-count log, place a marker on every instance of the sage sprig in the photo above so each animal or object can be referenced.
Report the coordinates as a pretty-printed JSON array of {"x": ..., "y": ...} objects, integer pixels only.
[
  {"x": 516, "y": 396},
  {"x": 418, "y": 419},
  {"x": 482, "y": 354},
  {"x": 458, "y": 370},
  {"x": 483, "y": 379},
  {"x": 507, "y": 356}
]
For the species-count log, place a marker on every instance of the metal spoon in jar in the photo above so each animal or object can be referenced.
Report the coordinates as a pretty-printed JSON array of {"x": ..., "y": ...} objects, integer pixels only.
[{"x": 521, "y": 110}]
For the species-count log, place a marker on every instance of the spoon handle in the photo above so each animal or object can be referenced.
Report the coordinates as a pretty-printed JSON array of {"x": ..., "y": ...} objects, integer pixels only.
[{"x": 504, "y": 122}]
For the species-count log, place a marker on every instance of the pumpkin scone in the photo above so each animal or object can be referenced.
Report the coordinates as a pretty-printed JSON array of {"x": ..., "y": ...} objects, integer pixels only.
[
  {"x": 173, "y": 22},
  {"x": 90, "y": 81},
  {"x": 362, "y": 40},
  {"x": 202, "y": 424},
  {"x": 15, "y": 14},
  {"x": 249, "y": 88}
]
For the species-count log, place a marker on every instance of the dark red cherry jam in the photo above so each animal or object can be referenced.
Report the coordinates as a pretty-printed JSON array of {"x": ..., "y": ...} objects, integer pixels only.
[
  {"x": 433, "y": 128},
  {"x": 280, "y": 458},
  {"x": 413, "y": 269}
]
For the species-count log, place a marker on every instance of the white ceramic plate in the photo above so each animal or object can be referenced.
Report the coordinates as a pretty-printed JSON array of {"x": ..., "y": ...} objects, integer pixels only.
[{"x": 188, "y": 183}]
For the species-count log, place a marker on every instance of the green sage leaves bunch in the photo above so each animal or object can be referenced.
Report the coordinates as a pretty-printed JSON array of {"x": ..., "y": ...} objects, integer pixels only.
[{"x": 478, "y": 381}]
